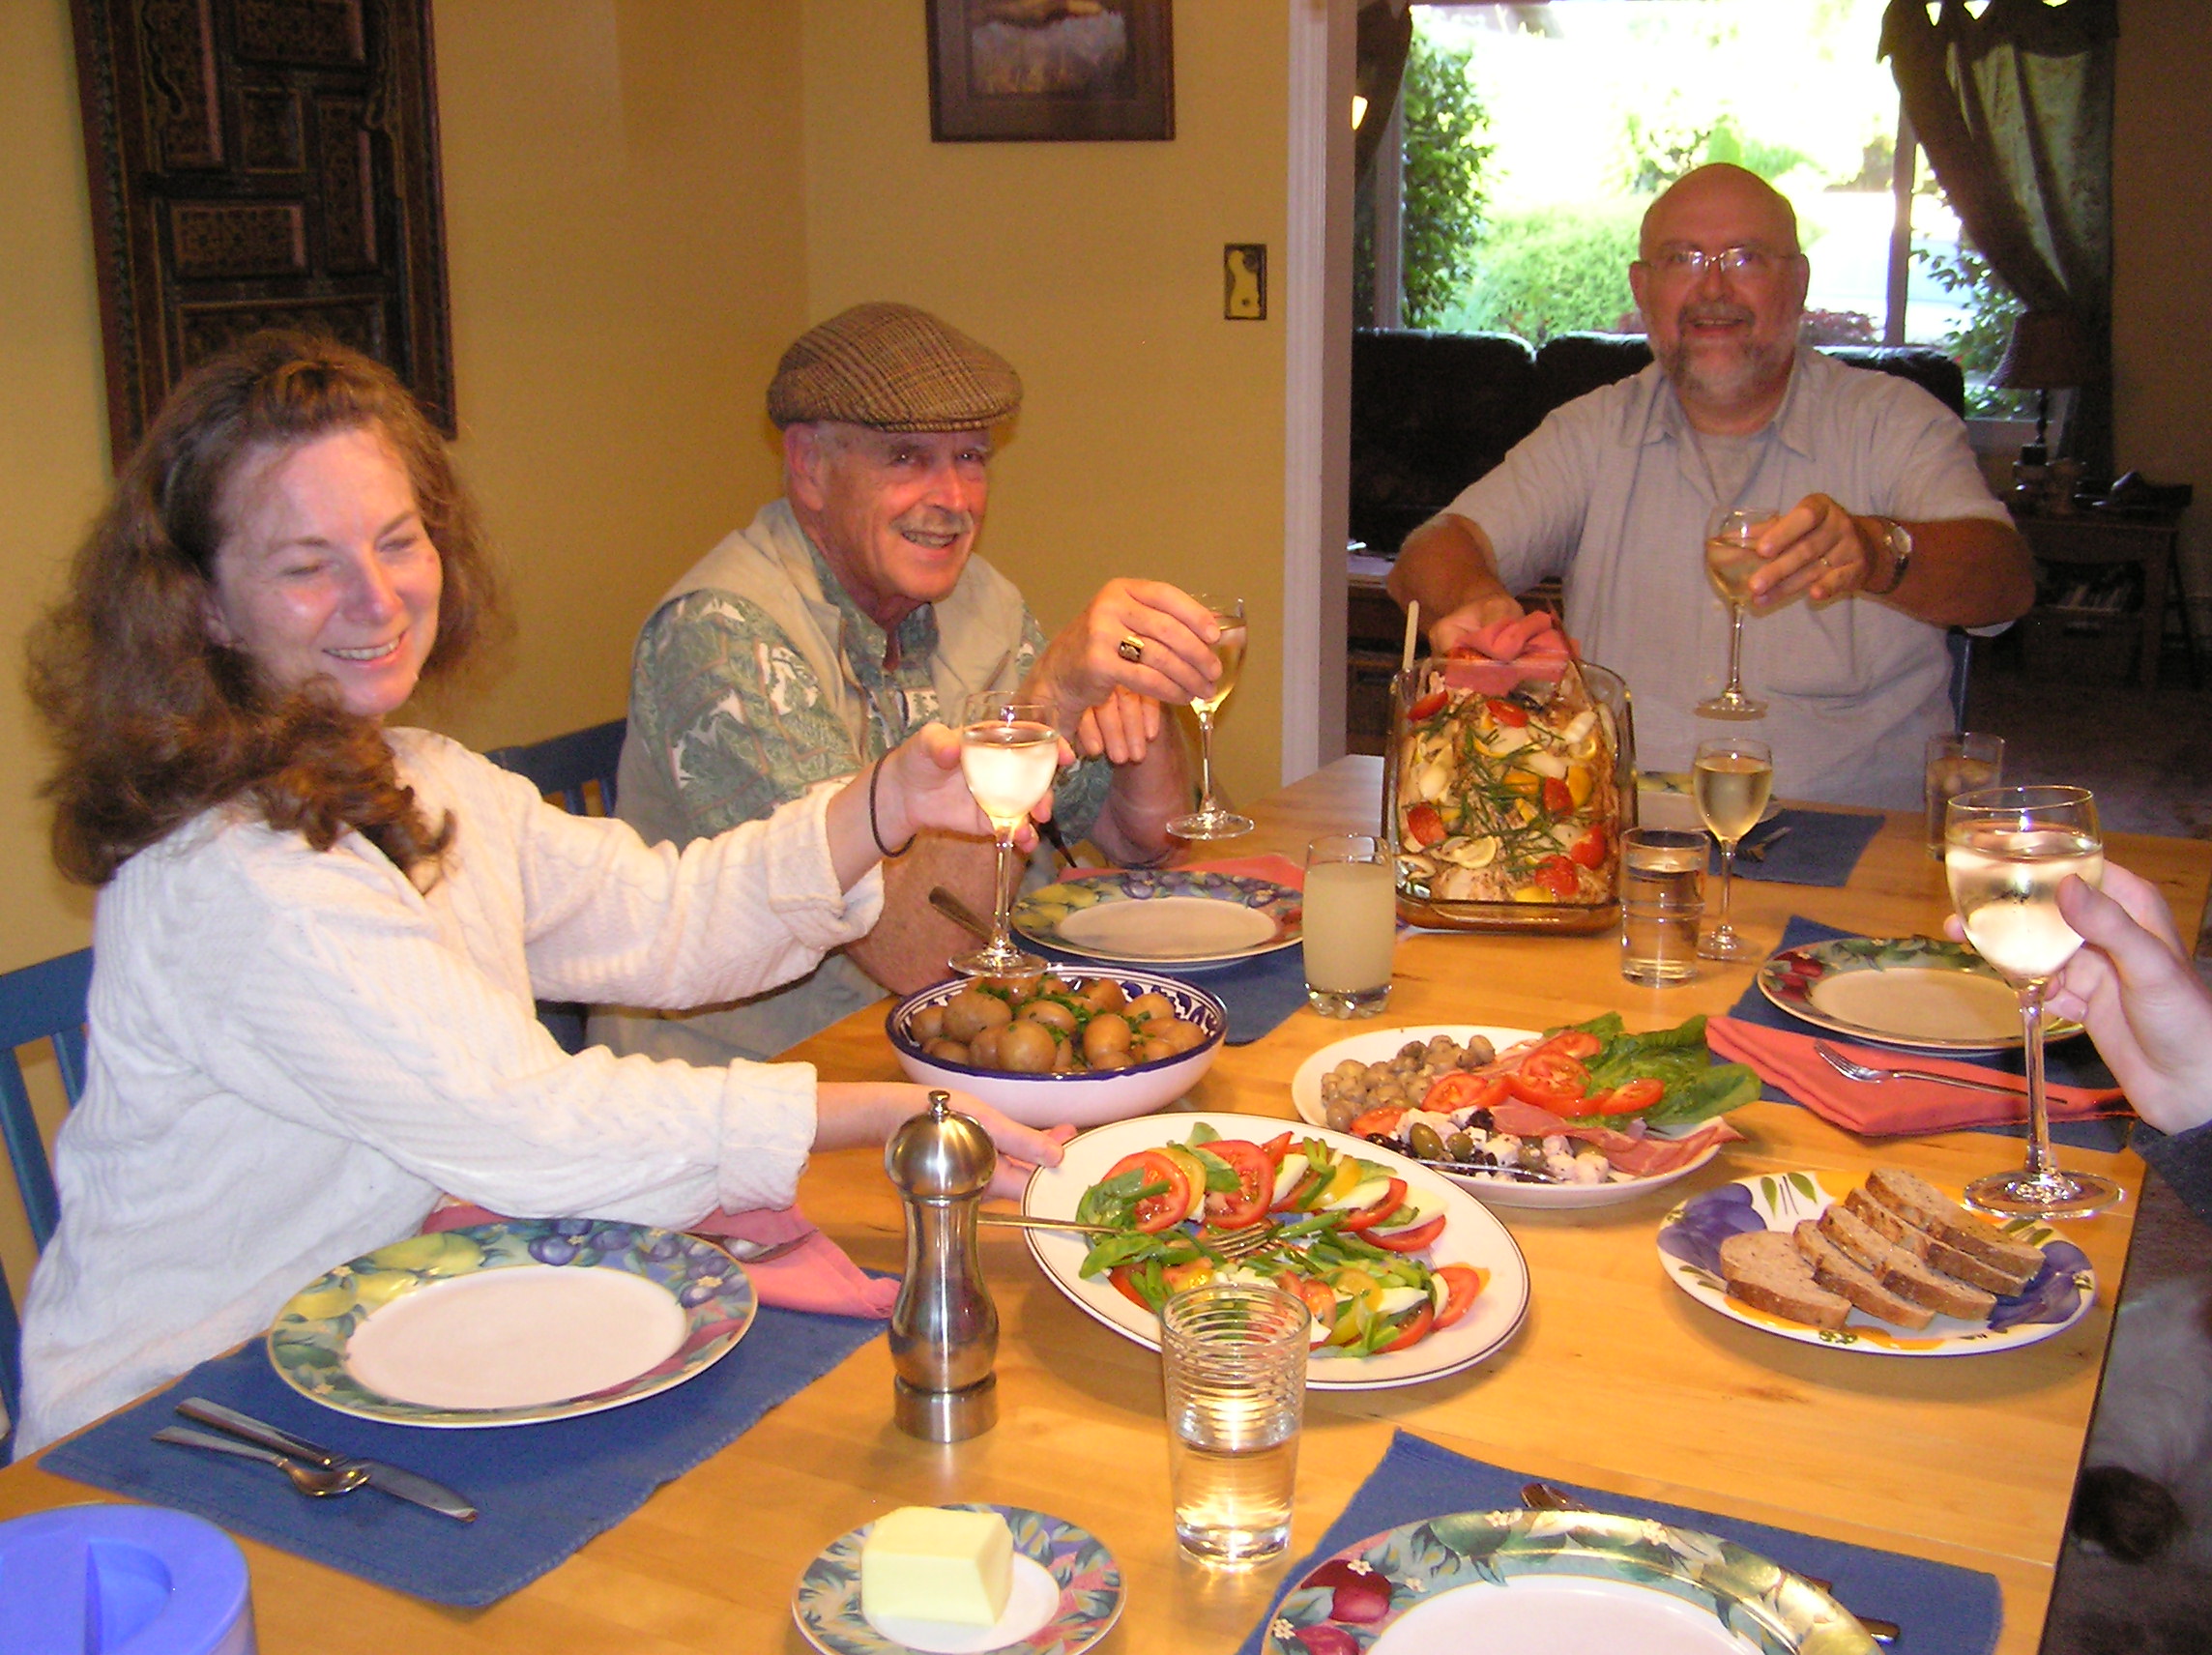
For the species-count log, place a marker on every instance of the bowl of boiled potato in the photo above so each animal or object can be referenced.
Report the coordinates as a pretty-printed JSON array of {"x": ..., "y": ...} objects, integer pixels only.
[{"x": 1074, "y": 1046}]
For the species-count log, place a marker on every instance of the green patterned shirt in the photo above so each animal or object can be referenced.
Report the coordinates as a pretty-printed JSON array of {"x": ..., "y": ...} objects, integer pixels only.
[{"x": 720, "y": 690}]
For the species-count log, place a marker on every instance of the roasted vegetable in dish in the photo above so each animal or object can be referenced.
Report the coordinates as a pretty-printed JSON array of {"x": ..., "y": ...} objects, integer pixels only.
[
  {"x": 1507, "y": 798},
  {"x": 1048, "y": 1025}
]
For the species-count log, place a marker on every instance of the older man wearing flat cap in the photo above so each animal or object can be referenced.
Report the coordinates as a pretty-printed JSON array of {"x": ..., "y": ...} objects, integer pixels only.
[{"x": 853, "y": 610}]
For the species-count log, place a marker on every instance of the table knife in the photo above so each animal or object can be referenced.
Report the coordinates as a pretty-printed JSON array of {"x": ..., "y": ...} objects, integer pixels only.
[{"x": 391, "y": 1479}]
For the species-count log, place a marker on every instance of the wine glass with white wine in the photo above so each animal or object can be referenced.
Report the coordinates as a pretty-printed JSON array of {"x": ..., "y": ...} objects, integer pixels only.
[
  {"x": 1213, "y": 819},
  {"x": 1729, "y": 564},
  {"x": 1730, "y": 778},
  {"x": 2006, "y": 850},
  {"x": 1008, "y": 752}
]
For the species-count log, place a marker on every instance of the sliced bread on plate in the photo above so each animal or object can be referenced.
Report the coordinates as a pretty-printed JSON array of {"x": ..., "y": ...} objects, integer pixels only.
[
  {"x": 1900, "y": 1272},
  {"x": 1764, "y": 1270},
  {"x": 1921, "y": 1203},
  {"x": 1942, "y": 1255},
  {"x": 1839, "y": 1272}
]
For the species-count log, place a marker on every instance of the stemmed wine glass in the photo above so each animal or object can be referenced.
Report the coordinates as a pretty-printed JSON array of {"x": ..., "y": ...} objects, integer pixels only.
[
  {"x": 1730, "y": 779},
  {"x": 2006, "y": 850},
  {"x": 1008, "y": 752},
  {"x": 1213, "y": 819},
  {"x": 1730, "y": 564}
]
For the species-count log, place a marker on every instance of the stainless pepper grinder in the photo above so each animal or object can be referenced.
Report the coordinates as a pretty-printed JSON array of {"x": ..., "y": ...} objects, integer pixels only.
[{"x": 945, "y": 1328}]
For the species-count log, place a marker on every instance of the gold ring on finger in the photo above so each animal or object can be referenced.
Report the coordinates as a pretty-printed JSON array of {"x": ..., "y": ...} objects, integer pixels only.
[{"x": 1132, "y": 649}]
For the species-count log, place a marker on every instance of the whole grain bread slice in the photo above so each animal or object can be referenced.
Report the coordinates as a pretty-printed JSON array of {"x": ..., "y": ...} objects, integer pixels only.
[
  {"x": 1764, "y": 1270},
  {"x": 1920, "y": 1202},
  {"x": 1942, "y": 1255},
  {"x": 1839, "y": 1272},
  {"x": 1900, "y": 1272}
]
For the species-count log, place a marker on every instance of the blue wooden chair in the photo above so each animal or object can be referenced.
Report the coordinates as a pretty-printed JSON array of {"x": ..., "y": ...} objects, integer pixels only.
[
  {"x": 44, "y": 1001},
  {"x": 572, "y": 769}
]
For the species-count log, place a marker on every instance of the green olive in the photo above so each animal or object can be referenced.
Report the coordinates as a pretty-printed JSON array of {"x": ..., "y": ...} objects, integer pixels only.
[
  {"x": 1051, "y": 1013},
  {"x": 949, "y": 1052},
  {"x": 1026, "y": 1047},
  {"x": 1427, "y": 1142},
  {"x": 1460, "y": 1147},
  {"x": 1105, "y": 1036},
  {"x": 971, "y": 1011},
  {"x": 926, "y": 1025}
]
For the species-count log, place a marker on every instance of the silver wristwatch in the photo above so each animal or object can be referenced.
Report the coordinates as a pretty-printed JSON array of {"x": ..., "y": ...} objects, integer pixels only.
[{"x": 1898, "y": 539}]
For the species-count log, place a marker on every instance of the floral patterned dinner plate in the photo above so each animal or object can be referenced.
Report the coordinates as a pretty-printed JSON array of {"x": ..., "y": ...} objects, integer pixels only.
[
  {"x": 512, "y": 1323},
  {"x": 1901, "y": 991},
  {"x": 1165, "y": 916},
  {"x": 1067, "y": 1595},
  {"x": 1690, "y": 1250},
  {"x": 1537, "y": 1581}
]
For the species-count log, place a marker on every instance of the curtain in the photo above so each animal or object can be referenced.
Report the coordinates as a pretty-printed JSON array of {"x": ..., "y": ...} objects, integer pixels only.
[{"x": 2015, "y": 110}]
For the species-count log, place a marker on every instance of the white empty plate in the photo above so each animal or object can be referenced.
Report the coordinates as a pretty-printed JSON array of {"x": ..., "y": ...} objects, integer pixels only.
[
  {"x": 1922, "y": 1004},
  {"x": 1558, "y": 1616},
  {"x": 1166, "y": 928},
  {"x": 516, "y": 1338}
]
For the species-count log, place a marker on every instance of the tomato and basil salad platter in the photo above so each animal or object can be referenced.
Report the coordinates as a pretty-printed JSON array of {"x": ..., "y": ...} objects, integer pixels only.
[
  {"x": 1654, "y": 1103},
  {"x": 1419, "y": 1280}
]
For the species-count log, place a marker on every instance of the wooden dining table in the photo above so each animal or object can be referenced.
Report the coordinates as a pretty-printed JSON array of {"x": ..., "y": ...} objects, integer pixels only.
[{"x": 1617, "y": 1381}]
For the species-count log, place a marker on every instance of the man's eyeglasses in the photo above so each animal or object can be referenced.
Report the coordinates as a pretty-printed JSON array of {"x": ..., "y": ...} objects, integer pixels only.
[{"x": 1690, "y": 264}]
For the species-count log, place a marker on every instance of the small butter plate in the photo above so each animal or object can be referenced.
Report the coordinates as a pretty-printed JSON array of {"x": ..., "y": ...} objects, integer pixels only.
[{"x": 1067, "y": 1595}]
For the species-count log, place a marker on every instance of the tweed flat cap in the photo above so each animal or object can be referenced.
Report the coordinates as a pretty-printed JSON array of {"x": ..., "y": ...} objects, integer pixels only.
[{"x": 895, "y": 367}]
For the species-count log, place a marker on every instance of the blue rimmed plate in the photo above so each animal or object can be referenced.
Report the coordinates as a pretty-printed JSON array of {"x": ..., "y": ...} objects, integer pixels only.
[
  {"x": 1534, "y": 1582},
  {"x": 1067, "y": 1595},
  {"x": 512, "y": 1323},
  {"x": 1185, "y": 919}
]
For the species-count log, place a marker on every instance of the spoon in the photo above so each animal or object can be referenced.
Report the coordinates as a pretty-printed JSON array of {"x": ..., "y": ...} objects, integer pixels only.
[
  {"x": 1542, "y": 1497},
  {"x": 315, "y": 1481},
  {"x": 1757, "y": 849},
  {"x": 958, "y": 912}
]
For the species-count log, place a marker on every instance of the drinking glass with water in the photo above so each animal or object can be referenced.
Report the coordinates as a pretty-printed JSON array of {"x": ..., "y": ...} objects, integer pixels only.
[{"x": 1233, "y": 1356}]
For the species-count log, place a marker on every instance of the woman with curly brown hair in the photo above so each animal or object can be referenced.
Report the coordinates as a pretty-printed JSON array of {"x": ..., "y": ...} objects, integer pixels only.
[{"x": 318, "y": 937}]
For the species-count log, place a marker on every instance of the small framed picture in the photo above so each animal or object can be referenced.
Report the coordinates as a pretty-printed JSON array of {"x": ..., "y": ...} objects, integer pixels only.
[{"x": 1015, "y": 70}]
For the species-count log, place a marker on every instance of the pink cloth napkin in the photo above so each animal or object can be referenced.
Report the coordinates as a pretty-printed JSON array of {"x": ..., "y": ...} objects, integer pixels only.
[
  {"x": 816, "y": 1276},
  {"x": 1274, "y": 867},
  {"x": 1506, "y": 654},
  {"x": 1888, "y": 1109}
]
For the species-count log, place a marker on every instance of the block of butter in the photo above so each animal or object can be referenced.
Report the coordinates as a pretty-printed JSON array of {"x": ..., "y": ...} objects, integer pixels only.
[{"x": 923, "y": 1562}]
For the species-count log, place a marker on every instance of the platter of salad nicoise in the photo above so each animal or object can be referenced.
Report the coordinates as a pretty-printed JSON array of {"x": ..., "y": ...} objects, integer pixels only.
[
  {"x": 1584, "y": 1116},
  {"x": 1407, "y": 1276}
]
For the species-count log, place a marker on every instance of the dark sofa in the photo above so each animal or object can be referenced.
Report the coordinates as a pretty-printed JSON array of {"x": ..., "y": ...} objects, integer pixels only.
[{"x": 1433, "y": 412}]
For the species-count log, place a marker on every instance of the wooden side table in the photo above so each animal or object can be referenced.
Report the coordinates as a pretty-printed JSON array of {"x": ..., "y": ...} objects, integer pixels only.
[{"x": 2151, "y": 544}]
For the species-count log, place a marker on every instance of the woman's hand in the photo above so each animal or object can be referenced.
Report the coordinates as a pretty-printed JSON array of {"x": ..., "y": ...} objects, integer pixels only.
[
  {"x": 849, "y": 1114},
  {"x": 921, "y": 787}
]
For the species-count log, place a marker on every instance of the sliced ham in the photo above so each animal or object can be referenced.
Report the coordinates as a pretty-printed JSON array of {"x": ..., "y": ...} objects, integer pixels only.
[
  {"x": 1651, "y": 1157},
  {"x": 1525, "y": 1120}
]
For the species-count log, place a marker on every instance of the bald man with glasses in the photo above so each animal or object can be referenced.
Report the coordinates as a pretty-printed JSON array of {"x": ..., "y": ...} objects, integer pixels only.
[{"x": 1883, "y": 532}]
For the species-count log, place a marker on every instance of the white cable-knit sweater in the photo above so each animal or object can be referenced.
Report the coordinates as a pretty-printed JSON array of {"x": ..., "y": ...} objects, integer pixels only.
[{"x": 294, "y": 1051}]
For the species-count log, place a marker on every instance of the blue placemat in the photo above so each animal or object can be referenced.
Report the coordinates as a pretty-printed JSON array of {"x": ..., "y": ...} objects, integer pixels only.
[
  {"x": 1259, "y": 992},
  {"x": 1821, "y": 848},
  {"x": 1944, "y": 1610},
  {"x": 542, "y": 1490},
  {"x": 2065, "y": 1062}
]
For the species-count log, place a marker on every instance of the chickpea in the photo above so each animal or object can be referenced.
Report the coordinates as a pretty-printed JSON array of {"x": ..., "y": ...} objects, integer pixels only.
[
  {"x": 1105, "y": 1036},
  {"x": 1026, "y": 1047},
  {"x": 971, "y": 1011}
]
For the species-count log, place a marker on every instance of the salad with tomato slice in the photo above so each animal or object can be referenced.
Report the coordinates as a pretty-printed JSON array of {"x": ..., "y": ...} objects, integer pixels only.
[{"x": 1349, "y": 1240}]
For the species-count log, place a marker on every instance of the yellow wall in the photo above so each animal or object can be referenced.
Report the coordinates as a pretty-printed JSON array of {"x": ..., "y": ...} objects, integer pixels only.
[
  {"x": 1150, "y": 440},
  {"x": 2162, "y": 263}
]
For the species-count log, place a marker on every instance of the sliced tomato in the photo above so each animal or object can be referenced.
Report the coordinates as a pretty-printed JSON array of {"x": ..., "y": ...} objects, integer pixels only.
[
  {"x": 1428, "y": 707},
  {"x": 1172, "y": 1206},
  {"x": 1320, "y": 1297},
  {"x": 1414, "y": 1331},
  {"x": 1508, "y": 715},
  {"x": 1384, "y": 1117},
  {"x": 1409, "y": 1241},
  {"x": 1119, "y": 1275},
  {"x": 1632, "y": 1097},
  {"x": 1557, "y": 801},
  {"x": 1460, "y": 1090},
  {"x": 1463, "y": 1284},
  {"x": 1276, "y": 1148},
  {"x": 1576, "y": 1043},
  {"x": 1550, "y": 1080},
  {"x": 1188, "y": 1275},
  {"x": 1307, "y": 1190},
  {"x": 1556, "y": 875},
  {"x": 1425, "y": 825},
  {"x": 1367, "y": 1217},
  {"x": 1247, "y": 1204},
  {"x": 1589, "y": 850}
]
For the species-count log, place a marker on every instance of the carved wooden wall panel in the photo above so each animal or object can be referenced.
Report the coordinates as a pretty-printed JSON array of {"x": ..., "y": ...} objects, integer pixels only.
[{"x": 258, "y": 163}]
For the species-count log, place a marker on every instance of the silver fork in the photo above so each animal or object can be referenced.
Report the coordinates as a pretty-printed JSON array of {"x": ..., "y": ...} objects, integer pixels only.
[
  {"x": 1852, "y": 1071},
  {"x": 1542, "y": 1497},
  {"x": 1227, "y": 1243}
]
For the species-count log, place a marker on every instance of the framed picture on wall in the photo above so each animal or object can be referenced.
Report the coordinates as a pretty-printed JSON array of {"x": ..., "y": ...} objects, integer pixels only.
[{"x": 1007, "y": 70}]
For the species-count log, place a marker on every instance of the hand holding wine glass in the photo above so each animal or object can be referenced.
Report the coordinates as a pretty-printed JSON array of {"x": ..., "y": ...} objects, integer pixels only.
[
  {"x": 1008, "y": 752},
  {"x": 2007, "y": 850},
  {"x": 1731, "y": 560},
  {"x": 1212, "y": 820},
  {"x": 1731, "y": 779}
]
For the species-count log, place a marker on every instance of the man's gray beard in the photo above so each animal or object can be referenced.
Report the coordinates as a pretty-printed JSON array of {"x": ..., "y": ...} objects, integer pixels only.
[{"x": 1762, "y": 370}]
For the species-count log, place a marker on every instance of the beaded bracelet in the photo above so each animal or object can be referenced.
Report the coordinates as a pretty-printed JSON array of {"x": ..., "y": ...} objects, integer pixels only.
[{"x": 875, "y": 832}]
